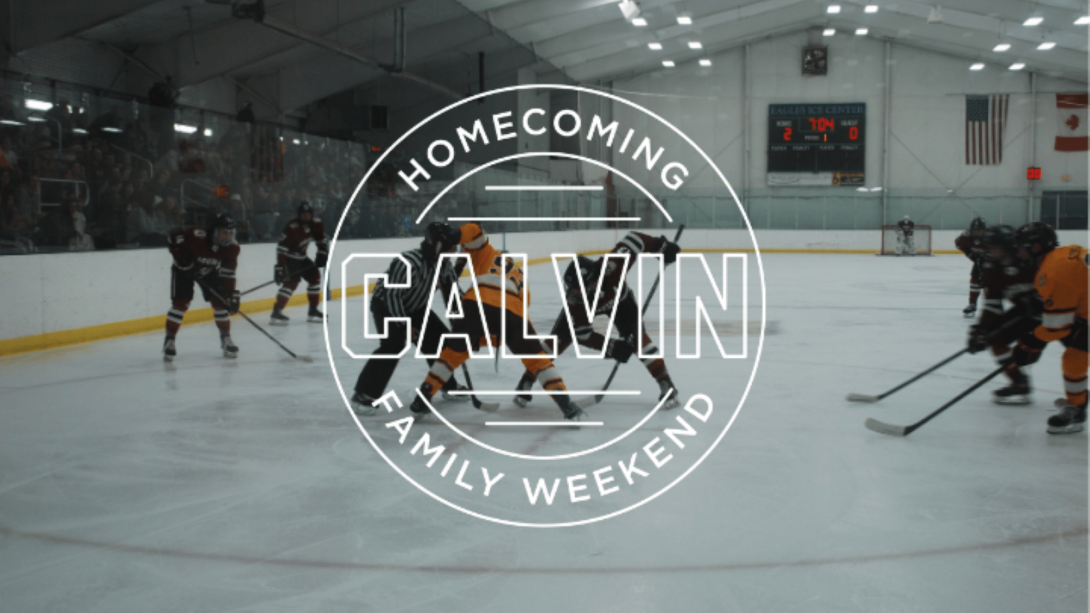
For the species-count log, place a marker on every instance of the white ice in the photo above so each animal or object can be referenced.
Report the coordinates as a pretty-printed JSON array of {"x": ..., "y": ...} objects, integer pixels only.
[{"x": 218, "y": 485}]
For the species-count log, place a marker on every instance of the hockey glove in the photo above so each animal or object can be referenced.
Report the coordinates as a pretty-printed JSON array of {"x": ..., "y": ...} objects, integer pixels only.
[
  {"x": 619, "y": 350},
  {"x": 280, "y": 275},
  {"x": 1028, "y": 350},
  {"x": 233, "y": 302},
  {"x": 321, "y": 259},
  {"x": 979, "y": 339},
  {"x": 669, "y": 250}
]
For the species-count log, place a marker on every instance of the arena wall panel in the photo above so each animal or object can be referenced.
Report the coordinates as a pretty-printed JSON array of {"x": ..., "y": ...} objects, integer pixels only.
[{"x": 52, "y": 300}]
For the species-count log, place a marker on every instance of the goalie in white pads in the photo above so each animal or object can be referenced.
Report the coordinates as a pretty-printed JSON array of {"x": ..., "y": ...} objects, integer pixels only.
[
  {"x": 612, "y": 275},
  {"x": 906, "y": 242}
]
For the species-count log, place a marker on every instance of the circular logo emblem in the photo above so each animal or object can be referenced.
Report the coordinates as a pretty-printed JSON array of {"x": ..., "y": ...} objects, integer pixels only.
[{"x": 543, "y": 337}]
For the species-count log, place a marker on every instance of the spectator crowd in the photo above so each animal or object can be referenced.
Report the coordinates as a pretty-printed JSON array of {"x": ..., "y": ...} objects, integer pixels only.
[{"x": 71, "y": 184}]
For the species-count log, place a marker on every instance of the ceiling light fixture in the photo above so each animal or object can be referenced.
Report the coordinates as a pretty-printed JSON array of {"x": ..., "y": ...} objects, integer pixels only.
[
  {"x": 1045, "y": 46},
  {"x": 977, "y": 66},
  {"x": 833, "y": 9},
  {"x": 113, "y": 130},
  {"x": 184, "y": 129},
  {"x": 1081, "y": 21},
  {"x": 629, "y": 9},
  {"x": 79, "y": 131},
  {"x": 871, "y": 8},
  {"x": 10, "y": 122},
  {"x": 695, "y": 44},
  {"x": 705, "y": 61},
  {"x": 1033, "y": 21},
  {"x": 1001, "y": 47},
  {"x": 654, "y": 46},
  {"x": 1017, "y": 66},
  {"x": 668, "y": 63},
  {"x": 829, "y": 32},
  {"x": 861, "y": 32},
  {"x": 685, "y": 20},
  {"x": 639, "y": 22},
  {"x": 38, "y": 105}
]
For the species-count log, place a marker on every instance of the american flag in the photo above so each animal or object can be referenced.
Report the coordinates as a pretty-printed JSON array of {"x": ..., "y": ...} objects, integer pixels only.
[{"x": 985, "y": 117}]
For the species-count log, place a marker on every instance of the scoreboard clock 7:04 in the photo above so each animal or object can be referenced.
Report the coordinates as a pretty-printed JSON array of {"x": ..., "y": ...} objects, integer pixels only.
[{"x": 817, "y": 144}]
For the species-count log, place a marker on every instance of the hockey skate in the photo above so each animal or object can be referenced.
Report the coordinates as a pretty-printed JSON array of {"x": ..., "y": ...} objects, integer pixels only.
[
  {"x": 447, "y": 395},
  {"x": 168, "y": 349},
  {"x": 278, "y": 318},
  {"x": 525, "y": 384},
  {"x": 230, "y": 350},
  {"x": 571, "y": 411},
  {"x": 419, "y": 407},
  {"x": 362, "y": 404},
  {"x": 315, "y": 316},
  {"x": 969, "y": 311},
  {"x": 669, "y": 392},
  {"x": 1017, "y": 393},
  {"x": 1069, "y": 420}
]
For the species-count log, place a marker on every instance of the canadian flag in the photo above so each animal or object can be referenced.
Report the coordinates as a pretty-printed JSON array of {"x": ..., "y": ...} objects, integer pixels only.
[{"x": 1071, "y": 132}]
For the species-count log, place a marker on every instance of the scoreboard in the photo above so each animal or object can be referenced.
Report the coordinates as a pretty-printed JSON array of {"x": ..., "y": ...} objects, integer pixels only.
[{"x": 817, "y": 144}]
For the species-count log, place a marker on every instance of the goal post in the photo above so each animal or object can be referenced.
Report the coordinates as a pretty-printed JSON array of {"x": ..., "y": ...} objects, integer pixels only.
[{"x": 894, "y": 241}]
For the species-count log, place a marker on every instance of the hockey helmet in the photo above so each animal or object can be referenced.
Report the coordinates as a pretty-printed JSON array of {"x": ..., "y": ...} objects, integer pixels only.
[
  {"x": 223, "y": 223},
  {"x": 1037, "y": 233},
  {"x": 304, "y": 207},
  {"x": 438, "y": 238},
  {"x": 1000, "y": 237},
  {"x": 583, "y": 267},
  {"x": 977, "y": 224}
]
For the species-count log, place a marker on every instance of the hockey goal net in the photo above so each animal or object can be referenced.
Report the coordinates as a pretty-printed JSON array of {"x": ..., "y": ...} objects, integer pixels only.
[{"x": 894, "y": 241}]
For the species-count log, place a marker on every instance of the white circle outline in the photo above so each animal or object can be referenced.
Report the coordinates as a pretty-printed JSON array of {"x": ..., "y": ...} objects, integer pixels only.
[{"x": 760, "y": 342}]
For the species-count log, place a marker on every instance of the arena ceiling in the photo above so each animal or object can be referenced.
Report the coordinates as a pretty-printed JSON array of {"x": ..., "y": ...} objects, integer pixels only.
[{"x": 572, "y": 41}]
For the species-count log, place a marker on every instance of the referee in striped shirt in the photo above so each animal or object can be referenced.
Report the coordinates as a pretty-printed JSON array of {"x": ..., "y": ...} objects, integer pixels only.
[{"x": 413, "y": 302}]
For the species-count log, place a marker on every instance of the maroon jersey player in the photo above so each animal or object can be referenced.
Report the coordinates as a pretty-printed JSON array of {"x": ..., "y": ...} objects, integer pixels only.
[
  {"x": 971, "y": 243},
  {"x": 1012, "y": 307},
  {"x": 614, "y": 288},
  {"x": 208, "y": 257},
  {"x": 292, "y": 264}
]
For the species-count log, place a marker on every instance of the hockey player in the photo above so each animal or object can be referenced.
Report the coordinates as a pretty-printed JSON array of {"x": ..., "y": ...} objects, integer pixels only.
[
  {"x": 905, "y": 240},
  {"x": 292, "y": 264},
  {"x": 1004, "y": 276},
  {"x": 1061, "y": 281},
  {"x": 627, "y": 317},
  {"x": 496, "y": 275},
  {"x": 970, "y": 244},
  {"x": 413, "y": 302},
  {"x": 209, "y": 257}
]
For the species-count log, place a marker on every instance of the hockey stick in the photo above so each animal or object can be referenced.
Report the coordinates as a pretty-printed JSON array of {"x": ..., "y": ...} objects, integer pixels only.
[
  {"x": 992, "y": 335},
  {"x": 297, "y": 356},
  {"x": 865, "y": 398},
  {"x": 254, "y": 289},
  {"x": 891, "y": 430},
  {"x": 593, "y": 400},
  {"x": 487, "y": 407}
]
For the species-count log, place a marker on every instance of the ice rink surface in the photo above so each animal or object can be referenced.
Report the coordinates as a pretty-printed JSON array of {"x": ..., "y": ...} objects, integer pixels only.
[{"x": 219, "y": 485}]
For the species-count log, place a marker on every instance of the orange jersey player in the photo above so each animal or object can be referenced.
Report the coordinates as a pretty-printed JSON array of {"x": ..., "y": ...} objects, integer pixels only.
[
  {"x": 497, "y": 277},
  {"x": 613, "y": 281},
  {"x": 1061, "y": 281},
  {"x": 971, "y": 243},
  {"x": 292, "y": 264},
  {"x": 207, "y": 257}
]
